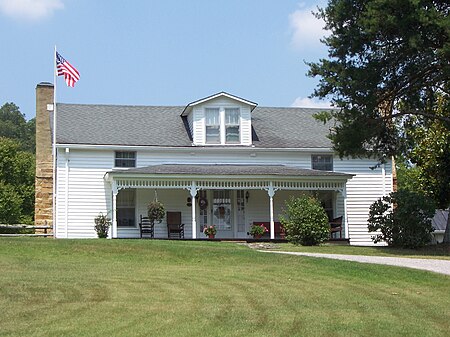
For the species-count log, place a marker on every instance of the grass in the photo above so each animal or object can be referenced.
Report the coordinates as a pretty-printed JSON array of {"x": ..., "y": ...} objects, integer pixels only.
[
  {"x": 440, "y": 251},
  {"x": 168, "y": 288}
]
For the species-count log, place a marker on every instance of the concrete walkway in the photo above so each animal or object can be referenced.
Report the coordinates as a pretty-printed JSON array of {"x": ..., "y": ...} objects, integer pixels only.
[{"x": 437, "y": 266}]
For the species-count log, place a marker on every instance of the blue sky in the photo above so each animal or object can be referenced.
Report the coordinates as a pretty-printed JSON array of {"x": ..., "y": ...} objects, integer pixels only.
[{"x": 160, "y": 52}]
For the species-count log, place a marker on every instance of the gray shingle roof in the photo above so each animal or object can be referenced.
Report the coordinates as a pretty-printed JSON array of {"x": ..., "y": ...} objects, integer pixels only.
[
  {"x": 163, "y": 126},
  {"x": 243, "y": 170}
]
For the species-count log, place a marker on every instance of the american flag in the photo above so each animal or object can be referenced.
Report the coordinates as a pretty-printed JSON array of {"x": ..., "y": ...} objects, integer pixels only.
[{"x": 71, "y": 75}]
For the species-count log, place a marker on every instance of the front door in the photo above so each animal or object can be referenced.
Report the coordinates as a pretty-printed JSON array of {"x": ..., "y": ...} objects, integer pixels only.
[
  {"x": 216, "y": 207},
  {"x": 221, "y": 213}
]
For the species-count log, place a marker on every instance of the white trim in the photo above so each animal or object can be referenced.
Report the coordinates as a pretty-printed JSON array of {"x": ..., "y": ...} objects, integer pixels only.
[
  {"x": 188, "y": 107},
  {"x": 216, "y": 147}
]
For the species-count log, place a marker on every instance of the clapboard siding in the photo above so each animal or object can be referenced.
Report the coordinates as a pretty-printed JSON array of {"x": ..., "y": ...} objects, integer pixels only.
[
  {"x": 88, "y": 194},
  {"x": 362, "y": 190},
  {"x": 246, "y": 126}
]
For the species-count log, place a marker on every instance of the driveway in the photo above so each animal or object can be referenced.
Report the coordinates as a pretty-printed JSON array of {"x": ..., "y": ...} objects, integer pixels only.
[{"x": 437, "y": 266}]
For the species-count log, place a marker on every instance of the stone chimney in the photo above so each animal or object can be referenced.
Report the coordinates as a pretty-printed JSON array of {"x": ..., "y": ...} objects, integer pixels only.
[{"x": 43, "y": 207}]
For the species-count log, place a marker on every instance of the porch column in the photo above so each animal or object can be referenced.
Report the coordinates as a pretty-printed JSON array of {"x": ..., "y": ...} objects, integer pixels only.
[
  {"x": 343, "y": 191},
  {"x": 193, "y": 190},
  {"x": 113, "y": 231},
  {"x": 271, "y": 192},
  {"x": 344, "y": 194}
]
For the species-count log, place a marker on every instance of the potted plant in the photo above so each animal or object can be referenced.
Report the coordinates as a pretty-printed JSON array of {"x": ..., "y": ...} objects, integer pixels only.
[
  {"x": 102, "y": 224},
  {"x": 257, "y": 231},
  {"x": 210, "y": 231},
  {"x": 156, "y": 211}
]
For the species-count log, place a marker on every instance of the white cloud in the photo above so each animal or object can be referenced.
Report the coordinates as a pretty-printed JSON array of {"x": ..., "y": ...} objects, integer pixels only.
[
  {"x": 30, "y": 9},
  {"x": 310, "y": 103},
  {"x": 307, "y": 30}
]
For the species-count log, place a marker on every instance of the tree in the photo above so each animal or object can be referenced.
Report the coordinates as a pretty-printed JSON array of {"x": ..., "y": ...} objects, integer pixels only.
[
  {"x": 406, "y": 225},
  {"x": 17, "y": 170},
  {"x": 14, "y": 126},
  {"x": 387, "y": 59},
  {"x": 388, "y": 71}
]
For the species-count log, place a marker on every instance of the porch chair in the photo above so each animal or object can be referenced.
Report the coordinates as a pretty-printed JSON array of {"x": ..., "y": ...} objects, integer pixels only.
[
  {"x": 175, "y": 229},
  {"x": 336, "y": 227},
  {"x": 146, "y": 227}
]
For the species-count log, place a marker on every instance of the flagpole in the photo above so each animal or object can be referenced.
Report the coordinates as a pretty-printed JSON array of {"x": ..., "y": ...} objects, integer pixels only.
[{"x": 54, "y": 144}]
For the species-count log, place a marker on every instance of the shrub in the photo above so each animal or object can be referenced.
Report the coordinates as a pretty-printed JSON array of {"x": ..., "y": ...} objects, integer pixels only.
[
  {"x": 305, "y": 221},
  {"x": 403, "y": 219},
  {"x": 102, "y": 224}
]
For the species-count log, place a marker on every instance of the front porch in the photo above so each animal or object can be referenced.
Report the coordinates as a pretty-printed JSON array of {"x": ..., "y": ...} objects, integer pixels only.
[{"x": 231, "y": 200}]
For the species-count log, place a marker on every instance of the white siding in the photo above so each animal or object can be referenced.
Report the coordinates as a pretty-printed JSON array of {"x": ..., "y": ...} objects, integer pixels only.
[
  {"x": 246, "y": 126},
  {"x": 88, "y": 194},
  {"x": 199, "y": 126},
  {"x": 362, "y": 190}
]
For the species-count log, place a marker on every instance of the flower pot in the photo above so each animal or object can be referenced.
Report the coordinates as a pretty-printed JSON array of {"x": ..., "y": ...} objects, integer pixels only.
[
  {"x": 211, "y": 236},
  {"x": 257, "y": 236}
]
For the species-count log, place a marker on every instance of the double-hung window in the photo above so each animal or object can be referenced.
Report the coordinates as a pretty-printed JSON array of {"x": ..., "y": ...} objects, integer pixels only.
[
  {"x": 125, "y": 159},
  {"x": 232, "y": 117},
  {"x": 222, "y": 125},
  {"x": 322, "y": 162},
  {"x": 212, "y": 122},
  {"x": 126, "y": 205}
]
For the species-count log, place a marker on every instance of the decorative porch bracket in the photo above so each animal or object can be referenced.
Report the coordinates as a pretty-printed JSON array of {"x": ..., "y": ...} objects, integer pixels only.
[{"x": 271, "y": 191}]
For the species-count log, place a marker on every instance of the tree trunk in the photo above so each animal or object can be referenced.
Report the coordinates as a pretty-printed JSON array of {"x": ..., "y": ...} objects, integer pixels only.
[{"x": 447, "y": 229}]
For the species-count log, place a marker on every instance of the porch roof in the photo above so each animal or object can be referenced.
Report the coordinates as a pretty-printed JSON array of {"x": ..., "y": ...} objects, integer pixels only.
[{"x": 221, "y": 170}]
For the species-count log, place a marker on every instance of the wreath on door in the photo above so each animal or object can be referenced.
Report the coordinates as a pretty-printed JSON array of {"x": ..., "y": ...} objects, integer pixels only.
[{"x": 203, "y": 203}]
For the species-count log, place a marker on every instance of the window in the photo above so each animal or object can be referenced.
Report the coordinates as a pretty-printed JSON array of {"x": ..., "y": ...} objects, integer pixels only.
[
  {"x": 322, "y": 162},
  {"x": 212, "y": 123},
  {"x": 232, "y": 117},
  {"x": 126, "y": 205},
  {"x": 125, "y": 159},
  {"x": 222, "y": 126}
]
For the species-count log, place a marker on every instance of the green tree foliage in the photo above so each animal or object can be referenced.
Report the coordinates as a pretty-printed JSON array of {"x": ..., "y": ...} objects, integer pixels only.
[
  {"x": 10, "y": 204},
  {"x": 17, "y": 170},
  {"x": 386, "y": 59},
  {"x": 305, "y": 221},
  {"x": 388, "y": 74},
  {"x": 407, "y": 225},
  {"x": 14, "y": 126}
]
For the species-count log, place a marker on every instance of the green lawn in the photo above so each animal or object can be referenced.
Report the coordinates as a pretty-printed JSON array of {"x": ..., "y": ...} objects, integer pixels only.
[
  {"x": 431, "y": 252},
  {"x": 168, "y": 288}
]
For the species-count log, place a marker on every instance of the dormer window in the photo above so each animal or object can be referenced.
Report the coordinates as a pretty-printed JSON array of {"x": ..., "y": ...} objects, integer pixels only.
[
  {"x": 220, "y": 119},
  {"x": 212, "y": 124},
  {"x": 222, "y": 125},
  {"x": 232, "y": 118}
]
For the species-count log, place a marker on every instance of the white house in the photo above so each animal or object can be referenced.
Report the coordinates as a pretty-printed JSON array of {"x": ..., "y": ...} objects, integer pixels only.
[{"x": 221, "y": 160}]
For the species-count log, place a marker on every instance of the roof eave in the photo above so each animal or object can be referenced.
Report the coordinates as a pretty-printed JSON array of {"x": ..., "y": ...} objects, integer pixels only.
[{"x": 189, "y": 107}]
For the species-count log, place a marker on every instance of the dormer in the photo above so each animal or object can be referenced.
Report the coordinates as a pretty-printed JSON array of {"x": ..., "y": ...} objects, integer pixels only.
[{"x": 221, "y": 119}]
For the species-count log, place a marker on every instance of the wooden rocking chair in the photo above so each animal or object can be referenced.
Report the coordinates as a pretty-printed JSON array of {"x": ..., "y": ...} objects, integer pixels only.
[
  {"x": 175, "y": 229},
  {"x": 146, "y": 227},
  {"x": 336, "y": 227}
]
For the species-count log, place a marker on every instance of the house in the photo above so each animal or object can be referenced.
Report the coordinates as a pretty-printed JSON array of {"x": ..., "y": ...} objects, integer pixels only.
[
  {"x": 221, "y": 160},
  {"x": 439, "y": 223}
]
